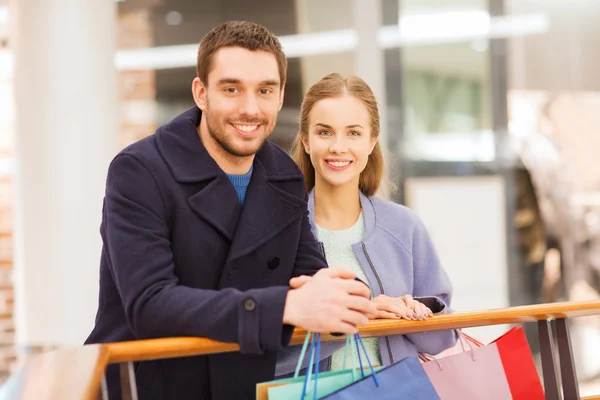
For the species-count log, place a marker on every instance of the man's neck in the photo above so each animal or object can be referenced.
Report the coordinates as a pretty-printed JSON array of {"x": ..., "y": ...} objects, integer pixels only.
[
  {"x": 229, "y": 163},
  {"x": 336, "y": 207}
]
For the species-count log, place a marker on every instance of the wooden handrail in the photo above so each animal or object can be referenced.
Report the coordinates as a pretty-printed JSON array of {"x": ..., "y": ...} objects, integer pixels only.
[
  {"x": 187, "y": 346},
  {"x": 75, "y": 374},
  {"x": 67, "y": 374}
]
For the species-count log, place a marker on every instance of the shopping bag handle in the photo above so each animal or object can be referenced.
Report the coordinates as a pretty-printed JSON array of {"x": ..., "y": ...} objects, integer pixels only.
[
  {"x": 315, "y": 355},
  {"x": 358, "y": 339},
  {"x": 302, "y": 353},
  {"x": 349, "y": 345},
  {"x": 315, "y": 337},
  {"x": 462, "y": 338}
]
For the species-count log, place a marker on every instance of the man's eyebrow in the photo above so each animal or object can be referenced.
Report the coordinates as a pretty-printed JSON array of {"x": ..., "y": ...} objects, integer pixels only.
[
  {"x": 268, "y": 82},
  {"x": 224, "y": 81}
]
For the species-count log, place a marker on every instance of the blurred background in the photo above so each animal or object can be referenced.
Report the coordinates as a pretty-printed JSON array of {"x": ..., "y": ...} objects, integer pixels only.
[{"x": 491, "y": 122}]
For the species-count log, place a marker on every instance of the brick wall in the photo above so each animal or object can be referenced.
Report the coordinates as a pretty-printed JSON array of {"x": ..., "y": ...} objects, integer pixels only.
[
  {"x": 137, "y": 89},
  {"x": 8, "y": 354}
]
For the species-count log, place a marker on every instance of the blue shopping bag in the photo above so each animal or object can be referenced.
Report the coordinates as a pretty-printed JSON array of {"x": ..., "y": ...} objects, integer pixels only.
[
  {"x": 404, "y": 380},
  {"x": 315, "y": 384}
]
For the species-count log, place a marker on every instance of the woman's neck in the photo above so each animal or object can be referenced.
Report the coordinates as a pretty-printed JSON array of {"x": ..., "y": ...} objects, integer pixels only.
[{"x": 336, "y": 207}]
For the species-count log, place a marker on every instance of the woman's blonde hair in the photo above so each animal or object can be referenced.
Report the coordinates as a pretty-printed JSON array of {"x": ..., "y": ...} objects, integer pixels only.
[{"x": 331, "y": 86}]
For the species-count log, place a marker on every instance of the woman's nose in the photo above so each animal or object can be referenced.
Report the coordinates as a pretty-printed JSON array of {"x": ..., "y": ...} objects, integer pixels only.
[{"x": 338, "y": 147}]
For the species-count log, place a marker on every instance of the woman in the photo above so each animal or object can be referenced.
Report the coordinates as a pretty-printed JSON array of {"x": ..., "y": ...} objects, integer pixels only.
[{"x": 386, "y": 244}]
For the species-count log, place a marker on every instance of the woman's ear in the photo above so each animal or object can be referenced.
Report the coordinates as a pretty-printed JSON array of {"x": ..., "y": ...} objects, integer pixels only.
[
  {"x": 304, "y": 139},
  {"x": 374, "y": 141}
]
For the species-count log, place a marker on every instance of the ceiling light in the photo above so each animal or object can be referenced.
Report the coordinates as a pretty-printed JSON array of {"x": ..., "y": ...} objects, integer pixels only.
[
  {"x": 174, "y": 18},
  {"x": 415, "y": 30}
]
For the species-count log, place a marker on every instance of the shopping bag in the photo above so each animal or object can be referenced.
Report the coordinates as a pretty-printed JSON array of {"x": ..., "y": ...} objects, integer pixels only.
[
  {"x": 328, "y": 382},
  {"x": 403, "y": 380},
  {"x": 503, "y": 369},
  {"x": 474, "y": 374},
  {"x": 519, "y": 366}
]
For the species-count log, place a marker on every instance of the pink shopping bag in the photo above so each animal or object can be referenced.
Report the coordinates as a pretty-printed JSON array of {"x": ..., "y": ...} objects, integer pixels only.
[
  {"x": 474, "y": 374},
  {"x": 503, "y": 369}
]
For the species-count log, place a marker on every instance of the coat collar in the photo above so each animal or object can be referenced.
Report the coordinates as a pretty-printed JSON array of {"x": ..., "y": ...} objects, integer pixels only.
[
  {"x": 267, "y": 209},
  {"x": 368, "y": 210},
  {"x": 180, "y": 146},
  {"x": 188, "y": 160}
]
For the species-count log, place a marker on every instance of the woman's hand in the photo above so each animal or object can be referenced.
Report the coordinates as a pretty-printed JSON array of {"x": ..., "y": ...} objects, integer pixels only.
[
  {"x": 421, "y": 310},
  {"x": 399, "y": 307}
]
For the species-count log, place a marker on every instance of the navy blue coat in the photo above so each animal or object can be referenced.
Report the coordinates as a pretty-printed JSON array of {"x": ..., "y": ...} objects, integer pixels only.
[{"x": 181, "y": 257}]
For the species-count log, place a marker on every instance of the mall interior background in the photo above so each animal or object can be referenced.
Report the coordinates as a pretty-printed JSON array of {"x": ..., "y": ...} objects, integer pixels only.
[{"x": 491, "y": 112}]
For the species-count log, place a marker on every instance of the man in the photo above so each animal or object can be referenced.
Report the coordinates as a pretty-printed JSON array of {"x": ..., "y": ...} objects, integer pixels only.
[{"x": 205, "y": 223}]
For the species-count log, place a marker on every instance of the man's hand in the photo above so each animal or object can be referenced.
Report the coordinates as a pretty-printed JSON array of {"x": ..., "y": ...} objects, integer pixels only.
[
  {"x": 298, "y": 281},
  {"x": 330, "y": 301}
]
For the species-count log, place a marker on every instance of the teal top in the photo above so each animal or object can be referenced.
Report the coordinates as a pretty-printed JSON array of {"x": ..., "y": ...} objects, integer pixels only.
[{"x": 338, "y": 251}]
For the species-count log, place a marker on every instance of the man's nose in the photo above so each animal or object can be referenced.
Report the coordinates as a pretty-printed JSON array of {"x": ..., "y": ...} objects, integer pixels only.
[{"x": 249, "y": 105}]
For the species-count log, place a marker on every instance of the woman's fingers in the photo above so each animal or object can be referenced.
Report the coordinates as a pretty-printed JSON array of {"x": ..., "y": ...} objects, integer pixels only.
[{"x": 399, "y": 310}]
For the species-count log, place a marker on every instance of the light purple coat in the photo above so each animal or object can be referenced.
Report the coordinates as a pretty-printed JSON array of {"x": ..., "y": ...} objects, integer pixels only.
[{"x": 398, "y": 258}]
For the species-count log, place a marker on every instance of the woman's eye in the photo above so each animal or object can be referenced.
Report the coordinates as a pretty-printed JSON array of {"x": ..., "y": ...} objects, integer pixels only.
[
  {"x": 325, "y": 133},
  {"x": 354, "y": 133}
]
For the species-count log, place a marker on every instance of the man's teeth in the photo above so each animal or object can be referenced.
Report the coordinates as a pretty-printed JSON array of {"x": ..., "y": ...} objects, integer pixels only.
[
  {"x": 339, "y": 164},
  {"x": 246, "y": 128}
]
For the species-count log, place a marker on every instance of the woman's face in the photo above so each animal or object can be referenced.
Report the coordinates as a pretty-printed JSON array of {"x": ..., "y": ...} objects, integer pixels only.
[{"x": 339, "y": 140}]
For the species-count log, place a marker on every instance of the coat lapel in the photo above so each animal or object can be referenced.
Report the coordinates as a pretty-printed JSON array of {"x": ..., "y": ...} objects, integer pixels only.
[
  {"x": 267, "y": 211},
  {"x": 190, "y": 164},
  {"x": 217, "y": 203}
]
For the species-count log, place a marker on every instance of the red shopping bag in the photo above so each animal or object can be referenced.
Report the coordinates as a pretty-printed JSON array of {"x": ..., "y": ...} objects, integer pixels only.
[{"x": 517, "y": 360}]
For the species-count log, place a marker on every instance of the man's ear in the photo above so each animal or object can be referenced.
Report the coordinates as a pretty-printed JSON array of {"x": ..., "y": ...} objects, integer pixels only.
[
  {"x": 199, "y": 93},
  {"x": 281, "y": 95}
]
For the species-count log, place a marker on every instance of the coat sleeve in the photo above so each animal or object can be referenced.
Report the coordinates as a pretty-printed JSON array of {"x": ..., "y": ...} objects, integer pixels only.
[
  {"x": 136, "y": 235},
  {"x": 309, "y": 258},
  {"x": 433, "y": 288}
]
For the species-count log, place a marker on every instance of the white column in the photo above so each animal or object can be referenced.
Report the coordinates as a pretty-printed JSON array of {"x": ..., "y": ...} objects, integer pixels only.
[
  {"x": 66, "y": 134},
  {"x": 369, "y": 60}
]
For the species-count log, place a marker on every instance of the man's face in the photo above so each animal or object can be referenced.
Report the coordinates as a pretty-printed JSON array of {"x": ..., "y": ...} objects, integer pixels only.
[{"x": 241, "y": 99}]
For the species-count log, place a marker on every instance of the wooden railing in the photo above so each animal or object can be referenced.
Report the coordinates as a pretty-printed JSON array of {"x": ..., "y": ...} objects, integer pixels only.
[{"x": 77, "y": 373}]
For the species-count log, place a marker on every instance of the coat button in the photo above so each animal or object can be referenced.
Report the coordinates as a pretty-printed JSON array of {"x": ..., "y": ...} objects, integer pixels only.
[
  {"x": 273, "y": 262},
  {"x": 249, "y": 305}
]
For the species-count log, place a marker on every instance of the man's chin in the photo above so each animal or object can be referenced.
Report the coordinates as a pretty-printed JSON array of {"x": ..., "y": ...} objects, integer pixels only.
[{"x": 245, "y": 149}]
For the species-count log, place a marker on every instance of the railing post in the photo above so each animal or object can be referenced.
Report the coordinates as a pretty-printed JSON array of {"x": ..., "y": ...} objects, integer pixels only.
[
  {"x": 128, "y": 385},
  {"x": 103, "y": 388},
  {"x": 551, "y": 386},
  {"x": 567, "y": 366}
]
